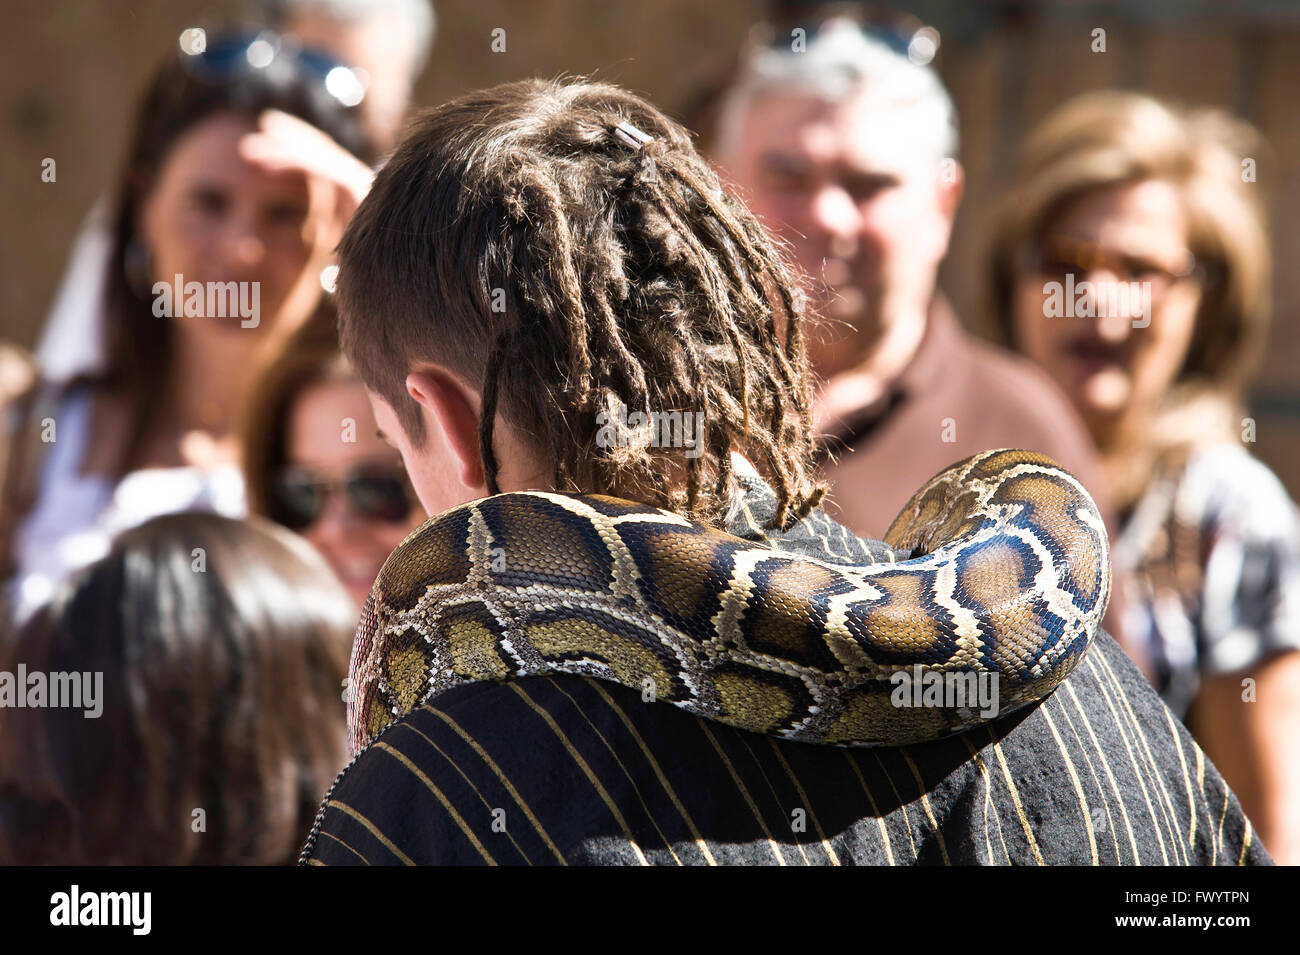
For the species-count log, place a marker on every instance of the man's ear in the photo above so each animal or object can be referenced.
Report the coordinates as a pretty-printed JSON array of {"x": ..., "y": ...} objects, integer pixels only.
[{"x": 450, "y": 404}]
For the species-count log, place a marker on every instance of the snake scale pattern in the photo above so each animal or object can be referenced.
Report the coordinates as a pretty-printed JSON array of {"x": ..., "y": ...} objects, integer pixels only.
[{"x": 999, "y": 565}]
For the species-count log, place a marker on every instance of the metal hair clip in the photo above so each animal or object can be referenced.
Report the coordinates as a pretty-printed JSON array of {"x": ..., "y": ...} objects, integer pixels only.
[{"x": 631, "y": 135}]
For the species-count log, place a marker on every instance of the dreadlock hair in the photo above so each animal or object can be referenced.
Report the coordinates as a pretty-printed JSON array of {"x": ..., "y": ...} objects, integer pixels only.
[{"x": 519, "y": 238}]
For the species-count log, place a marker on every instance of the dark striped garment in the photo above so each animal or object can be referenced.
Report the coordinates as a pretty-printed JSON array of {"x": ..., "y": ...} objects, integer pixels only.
[
  {"x": 575, "y": 770},
  {"x": 568, "y": 769}
]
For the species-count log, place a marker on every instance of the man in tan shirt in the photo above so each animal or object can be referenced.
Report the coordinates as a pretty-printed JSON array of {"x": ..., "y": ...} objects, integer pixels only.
[{"x": 846, "y": 147}]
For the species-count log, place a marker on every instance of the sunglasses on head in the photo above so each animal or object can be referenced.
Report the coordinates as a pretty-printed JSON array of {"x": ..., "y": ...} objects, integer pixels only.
[
  {"x": 279, "y": 57},
  {"x": 375, "y": 492},
  {"x": 902, "y": 33}
]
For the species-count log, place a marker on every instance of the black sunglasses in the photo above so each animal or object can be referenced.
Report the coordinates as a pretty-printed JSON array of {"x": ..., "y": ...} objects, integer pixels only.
[
  {"x": 281, "y": 58},
  {"x": 375, "y": 492}
]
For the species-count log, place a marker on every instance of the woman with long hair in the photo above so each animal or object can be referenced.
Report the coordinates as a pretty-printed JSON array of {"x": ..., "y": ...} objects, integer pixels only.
[
  {"x": 1132, "y": 262},
  {"x": 240, "y": 174}
]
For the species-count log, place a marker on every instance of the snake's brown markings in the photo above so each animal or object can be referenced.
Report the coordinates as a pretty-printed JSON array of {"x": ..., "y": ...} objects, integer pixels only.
[{"x": 1008, "y": 573}]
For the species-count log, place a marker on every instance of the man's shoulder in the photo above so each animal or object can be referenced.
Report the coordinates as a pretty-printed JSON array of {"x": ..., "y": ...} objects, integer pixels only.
[
  {"x": 1009, "y": 379},
  {"x": 1019, "y": 405},
  {"x": 572, "y": 769}
]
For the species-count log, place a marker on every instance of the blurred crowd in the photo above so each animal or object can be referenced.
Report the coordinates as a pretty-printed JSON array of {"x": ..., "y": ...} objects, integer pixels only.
[{"x": 135, "y": 446}]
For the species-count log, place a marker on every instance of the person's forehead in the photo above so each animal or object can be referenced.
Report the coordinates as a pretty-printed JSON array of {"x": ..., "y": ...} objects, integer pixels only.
[
  {"x": 1127, "y": 214},
  {"x": 867, "y": 130},
  {"x": 209, "y": 151}
]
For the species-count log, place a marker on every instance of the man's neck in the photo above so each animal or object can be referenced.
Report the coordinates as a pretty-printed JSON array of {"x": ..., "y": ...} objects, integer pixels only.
[{"x": 847, "y": 392}]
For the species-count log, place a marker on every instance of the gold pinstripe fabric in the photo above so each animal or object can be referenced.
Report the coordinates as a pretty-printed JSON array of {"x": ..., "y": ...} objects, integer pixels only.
[
  {"x": 469, "y": 782},
  {"x": 658, "y": 771},
  {"x": 1096, "y": 781},
  {"x": 1101, "y": 754},
  {"x": 1015, "y": 801},
  {"x": 907, "y": 823},
  {"x": 330, "y": 835},
  {"x": 373, "y": 830},
  {"x": 630, "y": 778},
  {"x": 1125, "y": 735},
  {"x": 767, "y": 780},
  {"x": 582, "y": 764},
  {"x": 803, "y": 796},
  {"x": 1078, "y": 787},
  {"x": 1187, "y": 780},
  {"x": 678, "y": 789},
  {"x": 988, "y": 801},
  {"x": 925, "y": 805},
  {"x": 456, "y": 816},
  {"x": 875, "y": 809},
  {"x": 505, "y": 781},
  {"x": 749, "y": 800}
]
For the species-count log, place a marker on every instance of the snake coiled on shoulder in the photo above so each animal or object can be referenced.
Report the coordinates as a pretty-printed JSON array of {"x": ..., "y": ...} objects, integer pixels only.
[{"x": 999, "y": 565}]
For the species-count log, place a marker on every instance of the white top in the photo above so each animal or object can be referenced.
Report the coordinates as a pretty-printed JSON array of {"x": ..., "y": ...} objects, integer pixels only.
[
  {"x": 74, "y": 519},
  {"x": 72, "y": 341}
]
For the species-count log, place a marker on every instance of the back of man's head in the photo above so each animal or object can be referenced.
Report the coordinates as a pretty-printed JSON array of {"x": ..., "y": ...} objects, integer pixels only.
[{"x": 562, "y": 249}]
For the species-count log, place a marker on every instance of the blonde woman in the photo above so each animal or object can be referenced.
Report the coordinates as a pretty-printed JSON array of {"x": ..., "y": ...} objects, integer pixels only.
[{"x": 1132, "y": 262}]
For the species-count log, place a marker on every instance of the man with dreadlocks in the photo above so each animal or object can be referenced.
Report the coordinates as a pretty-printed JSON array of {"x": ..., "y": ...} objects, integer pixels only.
[{"x": 618, "y": 652}]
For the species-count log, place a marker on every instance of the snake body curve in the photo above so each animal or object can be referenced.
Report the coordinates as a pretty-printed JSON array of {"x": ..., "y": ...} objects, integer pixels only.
[{"x": 1004, "y": 570}]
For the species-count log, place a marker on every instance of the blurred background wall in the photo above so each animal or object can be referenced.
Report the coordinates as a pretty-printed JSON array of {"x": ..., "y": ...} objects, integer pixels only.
[{"x": 72, "y": 70}]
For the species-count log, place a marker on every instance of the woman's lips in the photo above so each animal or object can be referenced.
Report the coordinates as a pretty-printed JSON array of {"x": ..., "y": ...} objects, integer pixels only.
[
  {"x": 1088, "y": 358},
  {"x": 357, "y": 573},
  {"x": 1100, "y": 375}
]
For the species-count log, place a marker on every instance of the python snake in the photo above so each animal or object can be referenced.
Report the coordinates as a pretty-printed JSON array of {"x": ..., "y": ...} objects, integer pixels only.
[{"x": 999, "y": 564}]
